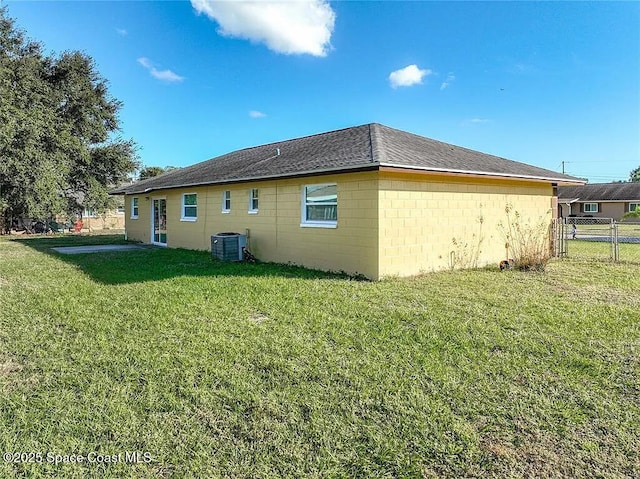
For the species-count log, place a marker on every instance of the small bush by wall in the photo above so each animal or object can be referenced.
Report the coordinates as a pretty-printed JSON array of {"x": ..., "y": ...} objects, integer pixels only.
[
  {"x": 465, "y": 253},
  {"x": 527, "y": 242}
]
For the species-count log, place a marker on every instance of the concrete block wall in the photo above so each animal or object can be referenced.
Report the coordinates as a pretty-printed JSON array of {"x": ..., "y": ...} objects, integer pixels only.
[
  {"x": 388, "y": 223},
  {"x": 275, "y": 231},
  {"x": 434, "y": 222}
]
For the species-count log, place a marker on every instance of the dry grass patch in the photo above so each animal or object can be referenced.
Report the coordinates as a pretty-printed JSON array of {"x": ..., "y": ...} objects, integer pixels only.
[
  {"x": 258, "y": 317},
  {"x": 594, "y": 293},
  {"x": 9, "y": 373},
  {"x": 9, "y": 365}
]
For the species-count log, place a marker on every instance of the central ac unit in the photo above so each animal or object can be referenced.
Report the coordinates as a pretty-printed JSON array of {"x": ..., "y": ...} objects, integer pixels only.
[{"x": 228, "y": 246}]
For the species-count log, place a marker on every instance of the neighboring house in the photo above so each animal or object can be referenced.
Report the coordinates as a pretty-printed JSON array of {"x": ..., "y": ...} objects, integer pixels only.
[
  {"x": 91, "y": 219},
  {"x": 599, "y": 200},
  {"x": 368, "y": 199},
  {"x": 109, "y": 220}
]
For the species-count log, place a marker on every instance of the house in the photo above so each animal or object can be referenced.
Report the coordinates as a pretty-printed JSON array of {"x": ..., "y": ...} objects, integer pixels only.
[
  {"x": 86, "y": 219},
  {"x": 368, "y": 200},
  {"x": 109, "y": 220},
  {"x": 599, "y": 200},
  {"x": 92, "y": 219}
]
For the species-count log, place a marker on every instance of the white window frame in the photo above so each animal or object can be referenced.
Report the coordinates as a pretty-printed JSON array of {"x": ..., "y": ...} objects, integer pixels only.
[
  {"x": 584, "y": 208},
  {"x": 226, "y": 197},
  {"x": 135, "y": 207},
  {"x": 306, "y": 223},
  {"x": 636, "y": 207},
  {"x": 183, "y": 206},
  {"x": 252, "y": 198}
]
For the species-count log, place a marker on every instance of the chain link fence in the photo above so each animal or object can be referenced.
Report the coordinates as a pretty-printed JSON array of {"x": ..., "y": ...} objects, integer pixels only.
[
  {"x": 628, "y": 241},
  {"x": 596, "y": 238}
]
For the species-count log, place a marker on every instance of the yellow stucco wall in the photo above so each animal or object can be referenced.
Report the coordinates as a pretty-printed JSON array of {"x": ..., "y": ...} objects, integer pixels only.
[
  {"x": 433, "y": 222},
  {"x": 138, "y": 229},
  {"x": 388, "y": 223},
  {"x": 275, "y": 232}
]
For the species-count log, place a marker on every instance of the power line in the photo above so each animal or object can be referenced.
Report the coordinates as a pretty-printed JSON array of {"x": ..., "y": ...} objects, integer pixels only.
[{"x": 608, "y": 178}]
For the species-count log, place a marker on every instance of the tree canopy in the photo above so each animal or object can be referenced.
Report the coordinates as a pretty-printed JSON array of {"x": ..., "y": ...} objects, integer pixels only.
[
  {"x": 59, "y": 149},
  {"x": 635, "y": 174},
  {"x": 147, "y": 172}
]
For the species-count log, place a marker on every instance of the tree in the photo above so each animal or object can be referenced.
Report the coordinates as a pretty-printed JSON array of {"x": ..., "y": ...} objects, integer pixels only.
[
  {"x": 150, "y": 171},
  {"x": 635, "y": 174},
  {"x": 57, "y": 131}
]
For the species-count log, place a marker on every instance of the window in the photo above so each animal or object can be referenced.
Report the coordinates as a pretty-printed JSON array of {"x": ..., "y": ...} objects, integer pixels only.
[
  {"x": 320, "y": 205},
  {"x": 634, "y": 207},
  {"x": 253, "y": 200},
  {"x": 590, "y": 207},
  {"x": 189, "y": 207},
  {"x": 226, "y": 201},
  {"x": 134, "y": 207},
  {"x": 90, "y": 213}
]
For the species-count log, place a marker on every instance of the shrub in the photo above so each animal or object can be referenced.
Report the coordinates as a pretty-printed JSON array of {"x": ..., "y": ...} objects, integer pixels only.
[
  {"x": 465, "y": 254},
  {"x": 527, "y": 243},
  {"x": 631, "y": 215}
]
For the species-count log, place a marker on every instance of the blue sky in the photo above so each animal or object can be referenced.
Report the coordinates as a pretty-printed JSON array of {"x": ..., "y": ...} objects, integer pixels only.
[{"x": 540, "y": 83}]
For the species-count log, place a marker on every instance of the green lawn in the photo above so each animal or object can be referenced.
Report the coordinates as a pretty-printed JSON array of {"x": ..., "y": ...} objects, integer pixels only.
[
  {"x": 233, "y": 370},
  {"x": 583, "y": 249}
]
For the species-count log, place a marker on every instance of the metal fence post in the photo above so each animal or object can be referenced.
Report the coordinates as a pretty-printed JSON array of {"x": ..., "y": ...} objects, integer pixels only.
[
  {"x": 612, "y": 240},
  {"x": 562, "y": 237},
  {"x": 616, "y": 248},
  {"x": 565, "y": 243},
  {"x": 559, "y": 241}
]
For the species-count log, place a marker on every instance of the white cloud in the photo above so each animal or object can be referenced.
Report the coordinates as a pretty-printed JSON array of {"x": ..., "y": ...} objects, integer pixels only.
[
  {"x": 256, "y": 114},
  {"x": 164, "y": 75},
  {"x": 407, "y": 76},
  {"x": 479, "y": 120},
  {"x": 291, "y": 27},
  {"x": 122, "y": 32},
  {"x": 450, "y": 79},
  {"x": 145, "y": 62}
]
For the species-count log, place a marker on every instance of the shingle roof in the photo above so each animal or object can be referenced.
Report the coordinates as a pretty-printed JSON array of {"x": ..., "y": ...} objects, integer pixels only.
[
  {"x": 601, "y": 192},
  {"x": 362, "y": 147}
]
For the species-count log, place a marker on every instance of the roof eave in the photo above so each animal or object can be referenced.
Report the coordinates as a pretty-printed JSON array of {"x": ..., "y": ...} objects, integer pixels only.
[
  {"x": 324, "y": 171},
  {"x": 489, "y": 174},
  {"x": 351, "y": 168}
]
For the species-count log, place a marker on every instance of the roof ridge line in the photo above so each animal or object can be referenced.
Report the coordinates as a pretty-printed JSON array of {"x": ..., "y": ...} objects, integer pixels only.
[
  {"x": 373, "y": 159},
  {"x": 377, "y": 145},
  {"x": 292, "y": 139}
]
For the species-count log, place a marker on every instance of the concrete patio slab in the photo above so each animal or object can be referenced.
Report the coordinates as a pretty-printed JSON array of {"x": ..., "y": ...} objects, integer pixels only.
[{"x": 96, "y": 248}]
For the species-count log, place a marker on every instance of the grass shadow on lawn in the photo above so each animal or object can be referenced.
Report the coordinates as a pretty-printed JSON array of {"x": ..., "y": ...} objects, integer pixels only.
[
  {"x": 156, "y": 263},
  {"x": 41, "y": 242}
]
